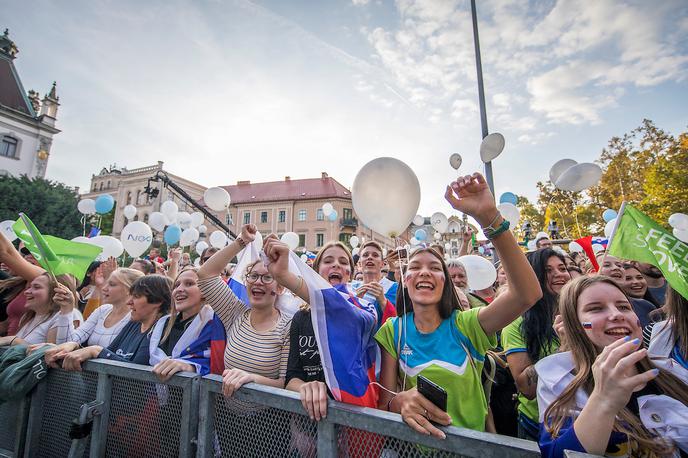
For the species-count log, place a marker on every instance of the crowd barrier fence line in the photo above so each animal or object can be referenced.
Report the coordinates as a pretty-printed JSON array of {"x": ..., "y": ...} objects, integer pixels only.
[{"x": 118, "y": 409}]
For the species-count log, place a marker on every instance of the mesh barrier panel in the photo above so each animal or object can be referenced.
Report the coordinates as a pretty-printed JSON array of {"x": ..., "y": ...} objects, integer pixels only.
[
  {"x": 66, "y": 392},
  {"x": 145, "y": 419},
  {"x": 9, "y": 413},
  {"x": 249, "y": 430},
  {"x": 356, "y": 443}
]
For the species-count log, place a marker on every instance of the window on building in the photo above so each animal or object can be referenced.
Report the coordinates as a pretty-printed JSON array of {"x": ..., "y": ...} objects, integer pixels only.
[
  {"x": 348, "y": 213},
  {"x": 302, "y": 240},
  {"x": 8, "y": 147},
  {"x": 319, "y": 215},
  {"x": 128, "y": 197},
  {"x": 101, "y": 186},
  {"x": 344, "y": 238},
  {"x": 108, "y": 186},
  {"x": 319, "y": 240},
  {"x": 282, "y": 216},
  {"x": 263, "y": 217},
  {"x": 302, "y": 215},
  {"x": 247, "y": 217},
  {"x": 228, "y": 219},
  {"x": 145, "y": 217},
  {"x": 138, "y": 194}
]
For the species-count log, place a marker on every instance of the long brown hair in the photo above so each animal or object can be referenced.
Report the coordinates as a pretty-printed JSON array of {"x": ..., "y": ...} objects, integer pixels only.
[
  {"x": 66, "y": 280},
  {"x": 584, "y": 354},
  {"x": 677, "y": 315},
  {"x": 11, "y": 288},
  {"x": 449, "y": 300}
]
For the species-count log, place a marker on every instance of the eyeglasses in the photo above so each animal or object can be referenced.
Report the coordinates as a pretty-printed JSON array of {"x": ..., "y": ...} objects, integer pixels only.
[{"x": 265, "y": 278}]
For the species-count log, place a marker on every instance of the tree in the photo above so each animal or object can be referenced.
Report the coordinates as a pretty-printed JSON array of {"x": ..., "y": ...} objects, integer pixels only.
[
  {"x": 50, "y": 205},
  {"x": 530, "y": 214},
  {"x": 569, "y": 209}
]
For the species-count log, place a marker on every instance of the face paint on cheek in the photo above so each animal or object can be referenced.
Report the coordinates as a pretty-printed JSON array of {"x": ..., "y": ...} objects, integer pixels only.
[{"x": 586, "y": 325}]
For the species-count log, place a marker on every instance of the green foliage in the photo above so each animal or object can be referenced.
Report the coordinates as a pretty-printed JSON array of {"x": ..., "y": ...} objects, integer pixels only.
[{"x": 50, "y": 205}]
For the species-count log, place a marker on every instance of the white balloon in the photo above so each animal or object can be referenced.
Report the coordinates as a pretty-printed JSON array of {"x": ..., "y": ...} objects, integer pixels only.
[
  {"x": 189, "y": 236},
  {"x": 157, "y": 220},
  {"x": 202, "y": 229},
  {"x": 386, "y": 195},
  {"x": 447, "y": 246},
  {"x": 216, "y": 198},
  {"x": 579, "y": 177},
  {"x": 353, "y": 241},
  {"x": 110, "y": 245},
  {"x": 681, "y": 234},
  {"x": 541, "y": 235},
  {"x": 304, "y": 257},
  {"x": 129, "y": 211},
  {"x": 169, "y": 220},
  {"x": 414, "y": 241},
  {"x": 327, "y": 209},
  {"x": 384, "y": 252},
  {"x": 355, "y": 251},
  {"x": 679, "y": 221},
  {"x": 437, "y": 236},
  {"x": 197, "y": 219},
  {"x": 218, "y": 239},
  {"x": 491, "y": 146},
  {"x": 531, "y": 245},
  {"x": 511, "y": 213},
  {"x": 609, "y": 227},
  {"x": 169, "y": 209},
  {"x": 418, "y": 220},
  {"x": 480, "y": 272},
  {"x": 184, "y": 220},
  {"x": 560, "y": 167},
  {"x": 81, "y": 239},
  {"x": 200, "y": 247},
  {"x": 596, "y": 247},
  {"x": 455, "y": 161},
  {"x": 439, "y": 222},
  {"x": 7, "y": 231},
  {"x": 136, "y": 237},
  {"x": 86, "y": 206},
  {"x": 197, "y": 262},
  {"x": 291, "y": 239},
  {"x": 575, "y": 247}
]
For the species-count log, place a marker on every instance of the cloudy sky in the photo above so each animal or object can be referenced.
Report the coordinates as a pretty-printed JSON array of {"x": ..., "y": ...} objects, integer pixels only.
[{"x": 234, "y": 90}]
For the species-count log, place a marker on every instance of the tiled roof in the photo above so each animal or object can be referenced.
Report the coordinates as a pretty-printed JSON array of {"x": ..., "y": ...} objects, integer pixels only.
[
  {"x": 11, "y": 92},
  {"x": 309, "y": 188}
]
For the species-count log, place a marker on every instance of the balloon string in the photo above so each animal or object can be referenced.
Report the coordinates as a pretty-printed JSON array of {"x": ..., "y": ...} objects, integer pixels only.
[{"x": 404, "y": 318}]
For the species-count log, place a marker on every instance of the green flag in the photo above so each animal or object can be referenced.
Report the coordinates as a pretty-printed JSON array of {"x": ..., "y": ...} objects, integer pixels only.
[
  {"x": 57, "y": 256},
  {"x": 638, "y": 238}
]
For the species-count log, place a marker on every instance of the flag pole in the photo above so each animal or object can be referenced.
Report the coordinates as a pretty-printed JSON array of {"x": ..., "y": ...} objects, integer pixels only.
[
  {"x": 616, "y": 226},
  {"x": 29, "y": 226}
]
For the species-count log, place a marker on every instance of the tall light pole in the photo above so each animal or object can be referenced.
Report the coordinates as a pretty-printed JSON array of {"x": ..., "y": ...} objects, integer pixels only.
[{"x": 481, "y": 93}]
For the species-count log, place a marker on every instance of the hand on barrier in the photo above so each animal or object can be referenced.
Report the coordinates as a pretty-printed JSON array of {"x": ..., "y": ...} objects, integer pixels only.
[
  {"x": 35, "y": 347},
  {"x": 314, "y": 399},
  {"x": 72, "y": 361},
  {"x": 233, "y": 379},
  {"x": 417, "y": 412},
  {"x": 166, "y": 368}
]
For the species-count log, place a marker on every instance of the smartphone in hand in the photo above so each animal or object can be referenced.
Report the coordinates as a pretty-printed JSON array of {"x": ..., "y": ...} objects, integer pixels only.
[{"x": 432, "y": 392}]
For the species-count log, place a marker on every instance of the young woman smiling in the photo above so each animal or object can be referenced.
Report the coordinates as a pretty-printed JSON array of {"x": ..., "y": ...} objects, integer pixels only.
[
  {"x": 431, "y": 335},
  {"x": 532, "y": 337},
  {"x": 106, "y": 322},
  {"x": 257, "y": 333},
  {"x": 605, "y": 396},
  {"x": 182, "y": 340}
]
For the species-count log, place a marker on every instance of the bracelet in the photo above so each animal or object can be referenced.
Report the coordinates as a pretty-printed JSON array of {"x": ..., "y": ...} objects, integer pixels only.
[
  {"x": 491, "y": 233},
  {"x": 240, "y": 241},
  {"x": 389, "y": 403},
  {"x": 489, "y": 226}
]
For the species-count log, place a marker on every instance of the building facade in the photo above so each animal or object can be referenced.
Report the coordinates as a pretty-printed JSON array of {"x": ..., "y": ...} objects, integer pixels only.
[{"x": 27, "y": 124}]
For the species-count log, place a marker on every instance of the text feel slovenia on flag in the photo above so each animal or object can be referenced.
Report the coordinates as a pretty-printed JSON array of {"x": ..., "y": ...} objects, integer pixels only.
[
  {"x": 57, "y": 256},
  {"x": 639, "y": 238}
]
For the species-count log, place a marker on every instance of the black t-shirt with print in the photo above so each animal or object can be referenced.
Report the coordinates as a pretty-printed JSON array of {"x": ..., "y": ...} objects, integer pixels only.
[{"x": 304, "y": 358}]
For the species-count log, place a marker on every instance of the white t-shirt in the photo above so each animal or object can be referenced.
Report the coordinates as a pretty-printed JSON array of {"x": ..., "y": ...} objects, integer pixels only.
[
  {"x": 93, "y": 330},
  {"x": 36, "y": 330}
]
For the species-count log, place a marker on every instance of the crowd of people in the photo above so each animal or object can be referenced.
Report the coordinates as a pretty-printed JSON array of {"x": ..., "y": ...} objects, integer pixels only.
[{"x": 554, "y": 351}]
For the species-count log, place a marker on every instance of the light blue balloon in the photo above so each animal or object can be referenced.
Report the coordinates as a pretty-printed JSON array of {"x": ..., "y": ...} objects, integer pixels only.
[
  {"x": 481, "y": 250},
  {"x": 332, "y": 216},
  {"x": 508, "y": 197},
  {"x": 421, "y": 234},
  {"x": 172, "y": 234},
  {"x": 104, "y": 204},
  {"x": 609, "y": 215}
]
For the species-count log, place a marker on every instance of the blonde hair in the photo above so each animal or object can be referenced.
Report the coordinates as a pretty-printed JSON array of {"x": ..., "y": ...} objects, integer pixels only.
[
  {"x": 126, "y": 276},
  {"x": 584, "y": 354},
  {"x": 66, "y": 280}
]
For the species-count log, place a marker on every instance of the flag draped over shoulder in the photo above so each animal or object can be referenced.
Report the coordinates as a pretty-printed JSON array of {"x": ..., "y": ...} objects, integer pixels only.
[
  {"x": 344, "y": 326},
  {"x": 57, "y": 256},
  {"x": 637, "y": 237}
]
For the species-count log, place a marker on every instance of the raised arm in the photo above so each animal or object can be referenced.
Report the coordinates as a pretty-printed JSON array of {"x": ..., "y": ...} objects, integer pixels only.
[
  {"x": 214, "y": 266},
  {"x": 278, "y": 255},
  {"x": 14, "y": 260},
  {"x": 471, "y": 195}
]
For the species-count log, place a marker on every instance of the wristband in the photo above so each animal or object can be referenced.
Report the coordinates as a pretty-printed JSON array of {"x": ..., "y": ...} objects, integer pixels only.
[
  {"x": 240, "y": 241},
  {"x": 491, "y": 233}
]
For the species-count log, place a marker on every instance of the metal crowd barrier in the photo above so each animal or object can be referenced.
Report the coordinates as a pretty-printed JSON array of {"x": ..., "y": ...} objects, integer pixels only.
[{"x": 115, "y": 409}]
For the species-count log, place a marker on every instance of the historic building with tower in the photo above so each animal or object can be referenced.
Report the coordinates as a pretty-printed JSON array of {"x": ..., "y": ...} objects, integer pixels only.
[{"x": 27, "y": 122}]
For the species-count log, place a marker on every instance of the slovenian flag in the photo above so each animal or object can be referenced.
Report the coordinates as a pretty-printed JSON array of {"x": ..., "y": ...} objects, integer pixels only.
[
  {"x": 344, "y": 327},
  {"x": 286, "y": 303}
]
